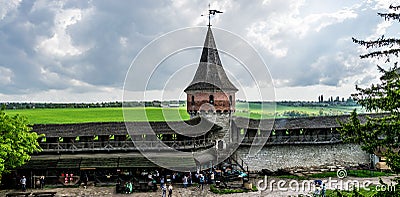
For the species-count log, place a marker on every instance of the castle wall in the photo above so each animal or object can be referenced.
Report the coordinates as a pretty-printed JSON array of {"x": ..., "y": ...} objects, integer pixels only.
[{"x": 292, "y": 156}]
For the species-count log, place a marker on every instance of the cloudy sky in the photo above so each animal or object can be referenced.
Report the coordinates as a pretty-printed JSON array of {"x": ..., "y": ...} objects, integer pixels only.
[{"x": 81, "y": 51}]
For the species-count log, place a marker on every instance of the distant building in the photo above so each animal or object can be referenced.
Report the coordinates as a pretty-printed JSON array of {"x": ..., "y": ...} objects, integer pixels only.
[{"x": 173, "y": 104}]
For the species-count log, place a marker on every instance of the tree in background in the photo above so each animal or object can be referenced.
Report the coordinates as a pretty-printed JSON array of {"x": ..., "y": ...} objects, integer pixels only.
[
  {"x": 379, "y": 133},
  {"x": 17, "y": 141}
]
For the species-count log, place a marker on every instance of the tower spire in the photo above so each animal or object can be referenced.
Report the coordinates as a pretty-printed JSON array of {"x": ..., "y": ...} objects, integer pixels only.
[{"x": 210, "y": 74}]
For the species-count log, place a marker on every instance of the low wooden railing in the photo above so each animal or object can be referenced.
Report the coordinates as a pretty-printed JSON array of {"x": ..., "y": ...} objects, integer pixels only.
[{"x": 123, "y": 145}]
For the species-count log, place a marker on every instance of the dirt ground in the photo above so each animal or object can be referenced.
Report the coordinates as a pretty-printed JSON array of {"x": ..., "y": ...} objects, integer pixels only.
[{"x": 196, "y": 192}]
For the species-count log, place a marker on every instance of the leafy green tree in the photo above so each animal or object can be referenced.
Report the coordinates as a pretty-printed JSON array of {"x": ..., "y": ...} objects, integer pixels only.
[
  {"x": 17, "y": 141},
  {"x": 380, "y": 133}
]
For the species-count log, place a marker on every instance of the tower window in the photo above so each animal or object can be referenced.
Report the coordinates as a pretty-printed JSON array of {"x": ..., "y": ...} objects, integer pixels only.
[
  {"x": 211, "y": 99},
  {"x": 230, "y": 99},
  {"x": 192, "y": 99}
]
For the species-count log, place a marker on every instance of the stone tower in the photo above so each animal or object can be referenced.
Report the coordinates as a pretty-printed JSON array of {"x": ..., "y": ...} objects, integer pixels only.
[{"x": 210, "y": 92}]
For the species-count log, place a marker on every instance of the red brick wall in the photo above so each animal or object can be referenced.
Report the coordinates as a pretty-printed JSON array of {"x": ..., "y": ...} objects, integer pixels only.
[{"x": 201, "y": 102}]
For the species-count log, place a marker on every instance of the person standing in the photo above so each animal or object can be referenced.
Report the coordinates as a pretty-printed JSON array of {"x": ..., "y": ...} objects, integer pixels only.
[
  {"x": 201, "y": 177},
  {"x": 41, "y": 179},
  {"x": 323, "y": 191},
  {"x": 185, "y": 181},
  {"x": 130, "y": 186},
  {"x": 164, "y": 190},
  {"x": 85, "y": 180},
  {"x": 173, "y": 177},
  {"x": 170, "y": 190},
  {"x": 190, "y": 179},
  {"x": 162, "y": 182},
  {"x": 23, "y": 183}
]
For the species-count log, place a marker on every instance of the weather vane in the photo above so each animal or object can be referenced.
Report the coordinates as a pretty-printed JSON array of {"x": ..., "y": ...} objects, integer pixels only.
[{"x": 211, "y": 12}]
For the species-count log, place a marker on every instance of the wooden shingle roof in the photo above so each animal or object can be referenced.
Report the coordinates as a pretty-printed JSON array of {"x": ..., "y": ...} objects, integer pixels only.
[
  {"x": 192, "y": 127},
  {"x": 318, "y": 122},
  {"x": 103, "y": 160}
]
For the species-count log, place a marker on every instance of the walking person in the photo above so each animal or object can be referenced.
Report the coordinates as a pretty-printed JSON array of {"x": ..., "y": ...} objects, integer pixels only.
[
  {"x": 164, "y": 190},
  {"x": 23, "y": 183},
  {"x": 170, "y": 190}
]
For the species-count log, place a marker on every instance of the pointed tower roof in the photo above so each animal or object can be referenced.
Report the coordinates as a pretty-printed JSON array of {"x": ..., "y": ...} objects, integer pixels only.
[{"x": 210, "y": 74}]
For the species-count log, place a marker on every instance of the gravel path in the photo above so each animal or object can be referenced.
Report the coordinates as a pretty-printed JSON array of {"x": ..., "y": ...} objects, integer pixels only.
[
  {"x": 189, "y": 192},
  {"x": 110, "y": 191}
]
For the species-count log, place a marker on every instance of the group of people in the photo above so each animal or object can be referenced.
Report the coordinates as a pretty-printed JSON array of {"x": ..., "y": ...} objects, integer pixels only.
[
  {"x": 127, "y": 181},
  {"x": 164, "y": 190},
  {"x": 39, "y": 183}
]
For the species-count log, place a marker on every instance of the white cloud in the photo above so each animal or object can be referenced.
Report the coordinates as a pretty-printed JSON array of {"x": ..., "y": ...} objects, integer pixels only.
[
  {"x": 383, "y": 4},
  {"x": 324, "y": 20},
  {"x": 123, "y": 41},
  {"x": 8, "y": 6},
  {"x": 101, "y": 94},
  {"x": 284, "y": 26},
  {"x": 60, "y": 43},
  {"x": 263, "y": 35},
  {"x": 6, "y": 76}
]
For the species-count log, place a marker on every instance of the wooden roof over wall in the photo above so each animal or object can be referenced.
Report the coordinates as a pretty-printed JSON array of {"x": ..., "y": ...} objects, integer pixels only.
[
  {"x": 185, "y": 127},
  {"x": 120, "y": 128},
  {"x": 123, "y": 160},
  {"x": 318, "y": 122},
  {"x": 81, "y": 129}
]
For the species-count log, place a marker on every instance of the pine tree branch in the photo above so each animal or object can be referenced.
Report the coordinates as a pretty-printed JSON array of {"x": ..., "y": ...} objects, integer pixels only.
[
  {"x": 395, "y": 8},
  {"x": 381, "y": 42},
  {"x": 380, "y": 54},
  {"x": 390, "y": 16}
]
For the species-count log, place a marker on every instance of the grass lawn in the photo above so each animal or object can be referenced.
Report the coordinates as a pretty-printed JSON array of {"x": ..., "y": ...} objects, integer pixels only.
[
  {"x": 368, "y": 192},
  {"x": 80, "y": 115},
  {"x": 269, "y": 110}
]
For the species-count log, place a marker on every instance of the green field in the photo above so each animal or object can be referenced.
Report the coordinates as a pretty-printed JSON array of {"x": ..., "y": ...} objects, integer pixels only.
[
  {"x": 253, "y": 110},
  {"x": 269, "y": 110},
  {"x": 77, "y": 115}
]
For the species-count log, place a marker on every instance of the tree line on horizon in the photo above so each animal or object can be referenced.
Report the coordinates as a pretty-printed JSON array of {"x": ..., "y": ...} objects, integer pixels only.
[{"x": 156, "y": 103}]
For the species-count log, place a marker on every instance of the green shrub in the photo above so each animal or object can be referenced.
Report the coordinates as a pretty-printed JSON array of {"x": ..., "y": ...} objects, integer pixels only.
[{"x": 216, "y": 190}]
